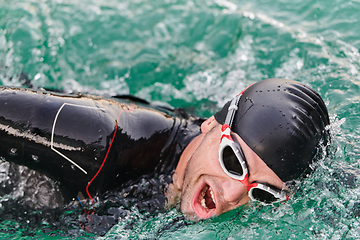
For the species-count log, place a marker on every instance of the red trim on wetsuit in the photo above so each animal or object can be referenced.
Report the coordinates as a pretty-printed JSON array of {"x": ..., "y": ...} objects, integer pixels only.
[{"x": 107, "y": 153}]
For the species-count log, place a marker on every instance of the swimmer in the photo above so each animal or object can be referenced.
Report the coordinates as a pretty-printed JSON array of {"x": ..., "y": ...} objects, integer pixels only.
[{"x": 265, "y": 137}]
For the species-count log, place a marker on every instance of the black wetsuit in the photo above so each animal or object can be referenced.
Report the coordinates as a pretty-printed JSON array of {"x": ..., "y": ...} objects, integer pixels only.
[{"x": 90, "y": 144}]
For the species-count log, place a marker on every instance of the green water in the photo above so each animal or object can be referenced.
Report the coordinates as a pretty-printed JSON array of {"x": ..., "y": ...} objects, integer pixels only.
[{"x": 195, "y": 54}]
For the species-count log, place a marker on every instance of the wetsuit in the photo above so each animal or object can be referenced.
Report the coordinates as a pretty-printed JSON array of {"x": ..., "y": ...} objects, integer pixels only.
[{"x": 90, "y": 144}]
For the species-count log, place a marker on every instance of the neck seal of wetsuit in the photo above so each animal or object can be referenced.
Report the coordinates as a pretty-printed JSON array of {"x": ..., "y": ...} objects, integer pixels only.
[{"x": 282, "y": 121}]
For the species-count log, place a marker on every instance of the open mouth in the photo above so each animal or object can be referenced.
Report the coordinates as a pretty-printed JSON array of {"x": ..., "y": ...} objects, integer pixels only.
[
  {"x": 207, "y": 198},
  {"x": 204, "y": 204}
]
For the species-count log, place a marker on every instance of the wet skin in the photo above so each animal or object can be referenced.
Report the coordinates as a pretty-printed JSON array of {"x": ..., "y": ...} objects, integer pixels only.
[{"x": 206, "y": 190}]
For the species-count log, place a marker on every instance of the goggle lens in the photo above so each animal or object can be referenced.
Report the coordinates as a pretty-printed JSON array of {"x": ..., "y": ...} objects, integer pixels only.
[
  {"x": 231, "y": 162},
  {"x": 263, "y": 196}
]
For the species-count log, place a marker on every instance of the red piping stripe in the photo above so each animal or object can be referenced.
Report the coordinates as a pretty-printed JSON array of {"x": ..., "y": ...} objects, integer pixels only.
[
  {"x": 248, "y": 185},
  {"x": 107, "y": 153}
]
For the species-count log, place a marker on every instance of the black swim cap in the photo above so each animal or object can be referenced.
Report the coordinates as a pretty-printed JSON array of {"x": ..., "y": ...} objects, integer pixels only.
[{"x": 282, "y": 121}]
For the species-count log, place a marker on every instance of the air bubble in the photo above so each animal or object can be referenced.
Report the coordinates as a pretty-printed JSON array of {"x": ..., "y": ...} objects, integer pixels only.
[
  {"x": 13, "y": 152},
  {"x": 73, "y": 167},
  {"x": 35, "y": 158}
]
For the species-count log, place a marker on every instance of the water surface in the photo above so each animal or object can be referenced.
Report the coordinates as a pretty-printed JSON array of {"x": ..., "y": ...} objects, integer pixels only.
[{"x": 195, "y": 54}]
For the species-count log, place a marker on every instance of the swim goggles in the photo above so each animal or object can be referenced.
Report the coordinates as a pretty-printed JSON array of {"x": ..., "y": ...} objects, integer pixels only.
[{"x": 233, "y": 162}]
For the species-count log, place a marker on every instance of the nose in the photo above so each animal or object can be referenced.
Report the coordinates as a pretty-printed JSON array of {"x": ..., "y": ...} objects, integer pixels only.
[{"x": 234, "y": 192}]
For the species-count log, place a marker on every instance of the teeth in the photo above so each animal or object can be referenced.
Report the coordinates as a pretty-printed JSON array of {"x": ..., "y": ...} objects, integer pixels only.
[
  {"x": 203, "y": 203},
  {"x": 212, "y": 195},
  {"x": 203, "y": 193}
]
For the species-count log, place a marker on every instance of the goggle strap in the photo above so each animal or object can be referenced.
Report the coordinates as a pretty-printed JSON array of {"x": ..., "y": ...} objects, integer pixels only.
[{"x": 232, "y": 109}]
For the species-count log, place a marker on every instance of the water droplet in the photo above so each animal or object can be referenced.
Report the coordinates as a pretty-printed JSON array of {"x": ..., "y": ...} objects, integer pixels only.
[
  {"x": 13, "y": 152},
  {"x": 283, "y": 160},
  {"x": 35, "y": 158},
  {"x": 73, "y": 167},
  {"x": 95, "y": 158}
]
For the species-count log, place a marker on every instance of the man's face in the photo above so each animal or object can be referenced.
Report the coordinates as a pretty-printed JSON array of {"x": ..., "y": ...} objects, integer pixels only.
[{"x": 206, "y": 189}]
